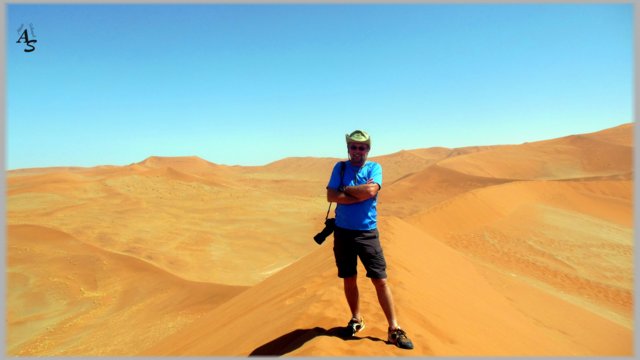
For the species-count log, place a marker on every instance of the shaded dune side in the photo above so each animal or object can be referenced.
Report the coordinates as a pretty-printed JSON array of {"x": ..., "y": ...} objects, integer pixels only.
[
  {"x": 443, "y": 300},
  {"x": 67, "y": 297}
]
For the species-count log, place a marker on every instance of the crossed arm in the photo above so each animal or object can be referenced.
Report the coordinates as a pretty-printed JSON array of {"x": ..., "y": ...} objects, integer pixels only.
[{"x": 354, "y": 194}]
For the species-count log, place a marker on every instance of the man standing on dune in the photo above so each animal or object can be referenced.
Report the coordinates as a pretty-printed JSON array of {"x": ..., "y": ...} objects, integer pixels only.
[{"x": 356, "y": 233}]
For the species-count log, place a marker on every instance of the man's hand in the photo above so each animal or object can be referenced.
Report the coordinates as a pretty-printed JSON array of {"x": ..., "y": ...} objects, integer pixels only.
[
  {"x": 354, "y": 194},
  {"x": 363, "y": 192},
  {"x": 340, "y": 197}
]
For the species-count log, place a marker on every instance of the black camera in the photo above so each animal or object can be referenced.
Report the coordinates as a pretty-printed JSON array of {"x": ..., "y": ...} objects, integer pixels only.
[{"x": 329, "y": 226}]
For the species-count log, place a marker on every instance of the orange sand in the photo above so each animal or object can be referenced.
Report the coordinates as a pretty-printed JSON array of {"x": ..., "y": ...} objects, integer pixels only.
[{"x": 496, "y": 250}]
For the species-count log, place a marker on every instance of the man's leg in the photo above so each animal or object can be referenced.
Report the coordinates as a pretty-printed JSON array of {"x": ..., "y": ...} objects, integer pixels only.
[
  {"x": 386, "y": 301},
  {"x": 352, "y": 295}
]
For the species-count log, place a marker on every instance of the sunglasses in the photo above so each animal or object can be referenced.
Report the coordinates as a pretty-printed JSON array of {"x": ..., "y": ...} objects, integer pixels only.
[{"x": 361, "y": 147}]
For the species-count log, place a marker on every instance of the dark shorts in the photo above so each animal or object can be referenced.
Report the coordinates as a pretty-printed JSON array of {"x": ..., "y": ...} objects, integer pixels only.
[{"x": 348, "y": 245}]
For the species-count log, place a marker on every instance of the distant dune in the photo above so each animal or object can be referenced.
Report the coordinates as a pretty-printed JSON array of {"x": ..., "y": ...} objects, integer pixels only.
[
  {"x": 575, "y": 156},
  {"x": 506, "y": 250}
]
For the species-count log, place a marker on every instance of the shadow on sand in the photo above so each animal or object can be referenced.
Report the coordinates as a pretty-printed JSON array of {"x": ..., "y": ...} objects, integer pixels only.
[{"x": 295, "y": 339}]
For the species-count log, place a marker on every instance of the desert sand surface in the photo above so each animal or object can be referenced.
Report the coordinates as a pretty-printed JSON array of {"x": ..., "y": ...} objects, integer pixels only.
[{"x": 509, "y": 250}]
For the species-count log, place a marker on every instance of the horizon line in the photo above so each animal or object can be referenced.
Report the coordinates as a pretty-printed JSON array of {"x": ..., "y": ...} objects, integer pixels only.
[{"x": 632, "y": 123}]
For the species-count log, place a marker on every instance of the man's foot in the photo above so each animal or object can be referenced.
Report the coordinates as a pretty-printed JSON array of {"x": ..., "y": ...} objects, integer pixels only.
[
  {"x": 354, "y": 326},
  {"x": 399, "y": 338}
]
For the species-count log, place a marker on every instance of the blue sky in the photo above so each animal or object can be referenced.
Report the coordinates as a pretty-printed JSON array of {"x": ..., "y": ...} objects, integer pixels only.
[{"x": 251, "y": 84}]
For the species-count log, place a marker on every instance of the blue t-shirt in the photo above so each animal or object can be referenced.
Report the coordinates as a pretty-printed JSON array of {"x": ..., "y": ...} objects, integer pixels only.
[{"x": 361, "y": 215}]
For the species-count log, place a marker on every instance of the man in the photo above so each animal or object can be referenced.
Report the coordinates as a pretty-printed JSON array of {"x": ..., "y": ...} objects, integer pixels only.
[{"x": 356, "y": 234}]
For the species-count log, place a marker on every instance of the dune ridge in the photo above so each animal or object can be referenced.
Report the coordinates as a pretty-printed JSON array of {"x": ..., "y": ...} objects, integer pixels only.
[{"x": 506, "y": 250}]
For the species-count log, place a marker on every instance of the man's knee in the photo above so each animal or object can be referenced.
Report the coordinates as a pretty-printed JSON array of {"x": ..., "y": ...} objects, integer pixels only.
[
  {"x": 351, "y": 281},
  {"x": 379, "y": 283}
]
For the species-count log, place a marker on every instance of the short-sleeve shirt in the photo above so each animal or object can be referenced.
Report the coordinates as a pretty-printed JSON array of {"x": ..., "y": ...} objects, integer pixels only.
[{"x": 362, "y": 215}]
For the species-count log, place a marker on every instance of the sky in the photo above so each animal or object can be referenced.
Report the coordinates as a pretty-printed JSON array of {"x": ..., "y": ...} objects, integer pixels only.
[{"x": 255, "y": 83}]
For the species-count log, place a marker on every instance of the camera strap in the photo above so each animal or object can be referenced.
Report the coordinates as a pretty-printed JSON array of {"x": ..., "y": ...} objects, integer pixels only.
[{"x": 342, "y": 165}]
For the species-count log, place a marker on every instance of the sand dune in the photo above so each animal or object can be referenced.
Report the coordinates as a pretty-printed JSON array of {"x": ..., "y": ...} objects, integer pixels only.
[
  {"x": 296, "y": 168},
  {"x": 439, "y": 288},
  {"x": 492, "y": 250},
  {"x": 574, "y": 236},
  {"x": 573, "y": 156},
  {"x": 404, "y": 163},
  {"x": 407, "y": 162},
  {"x": 423, "y": 189},
  {"x": 178, "y": 221},
  {"x": 190, "y": 164},
  {"x": 298, "y": 176},
  {"x": 185, "y": 168},
  {"x": 84, "y": 300},
  {"x": 620, "y": 135}
]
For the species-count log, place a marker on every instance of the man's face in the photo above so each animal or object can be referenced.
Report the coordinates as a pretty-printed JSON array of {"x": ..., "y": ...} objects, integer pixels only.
[{"x": 358, "y": 151}]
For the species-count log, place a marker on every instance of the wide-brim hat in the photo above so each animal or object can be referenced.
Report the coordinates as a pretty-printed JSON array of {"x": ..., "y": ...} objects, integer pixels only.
[{"x": 359, "y": 136}]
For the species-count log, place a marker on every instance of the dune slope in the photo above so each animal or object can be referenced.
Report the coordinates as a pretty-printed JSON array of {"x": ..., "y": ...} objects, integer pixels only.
[
  {"x": 444, "y": 301},
  {"x": 573, "y": 236},
  {"x": 423, "y": 189},
  {"x": 67, "y": 298}
]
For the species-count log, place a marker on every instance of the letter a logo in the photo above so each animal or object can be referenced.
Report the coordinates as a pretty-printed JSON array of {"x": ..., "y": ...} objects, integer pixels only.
[{"x": 25, "y": 36}]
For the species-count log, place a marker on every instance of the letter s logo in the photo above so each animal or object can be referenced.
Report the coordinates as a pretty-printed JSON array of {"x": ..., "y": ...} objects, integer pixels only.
[{"x": 25, "y": 37}]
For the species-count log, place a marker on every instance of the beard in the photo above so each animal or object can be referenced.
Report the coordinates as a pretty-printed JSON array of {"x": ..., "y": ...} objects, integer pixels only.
[{"x": 358, "y": 158}]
